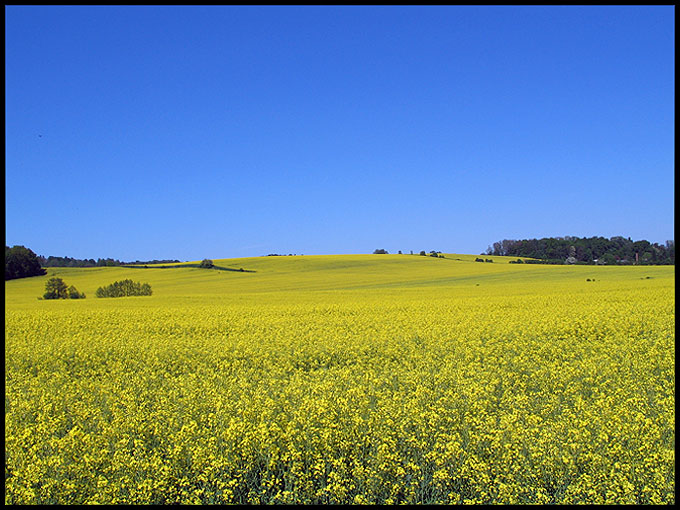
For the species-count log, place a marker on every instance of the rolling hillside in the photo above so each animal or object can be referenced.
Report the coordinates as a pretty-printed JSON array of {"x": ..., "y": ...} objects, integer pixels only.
[
  {"x": 333, "y": 273},
  {"x": 344, "y": 379}
]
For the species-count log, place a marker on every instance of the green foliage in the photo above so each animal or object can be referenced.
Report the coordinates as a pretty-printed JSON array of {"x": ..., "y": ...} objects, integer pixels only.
[
  {"x": 55, "y": 288},
  {"x": 20, "y": 262},
  {"x": 53, "y": 261},
  {"x": 206, "y": 264},
  {"x": 380, "y": 252},
  {"x": 593, "y": 250},
  {"x": 609, "y": 259},
  {"x": 74, "y": 294},
  {"x": 124, "y": 288}
]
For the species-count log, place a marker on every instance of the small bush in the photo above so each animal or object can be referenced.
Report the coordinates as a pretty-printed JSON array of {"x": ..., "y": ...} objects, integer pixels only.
[
  {"x": 55, "y": 288},
  {"x": 124, "y": 288},
  {"x": 206, "y": 264},
  {"x": 74, "y": 294}
]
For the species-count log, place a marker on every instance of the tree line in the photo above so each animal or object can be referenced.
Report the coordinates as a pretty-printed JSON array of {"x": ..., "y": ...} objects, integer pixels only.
[
  {"x": 22, "y": 262},
  {"x": 53, "y": 261},
  {"x": 433, "y": 253},
  {"x": 587, "y": 250}
]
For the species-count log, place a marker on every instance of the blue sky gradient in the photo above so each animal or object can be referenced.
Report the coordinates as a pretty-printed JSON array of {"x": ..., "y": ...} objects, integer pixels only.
[{"x": 140, "y": 133}]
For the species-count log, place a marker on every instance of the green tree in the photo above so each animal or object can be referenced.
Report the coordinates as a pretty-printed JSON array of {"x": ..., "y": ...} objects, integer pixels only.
[
  {"x": 20, "y": 262},
  {"x": 55, "y": 288},
  {"x": 145, "y": 289},
  {"x": 206, "y": 264},
  {"x": 74, "y": 294},
  {"x": 609, "y": 259}
]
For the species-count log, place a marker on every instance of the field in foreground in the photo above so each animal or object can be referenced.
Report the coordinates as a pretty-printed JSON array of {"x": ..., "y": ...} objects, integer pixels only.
[{"x": 344, "y": 379}]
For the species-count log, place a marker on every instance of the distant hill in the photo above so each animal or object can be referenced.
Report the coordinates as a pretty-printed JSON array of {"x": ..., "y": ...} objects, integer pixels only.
[{"x": 343, "y": 276}]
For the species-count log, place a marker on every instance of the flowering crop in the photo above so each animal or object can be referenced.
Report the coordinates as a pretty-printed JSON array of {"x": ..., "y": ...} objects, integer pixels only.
[{"x": 534, "y": 387}]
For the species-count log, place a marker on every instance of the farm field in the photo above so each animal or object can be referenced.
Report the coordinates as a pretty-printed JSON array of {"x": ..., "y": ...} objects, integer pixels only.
[{"x": 344, "y": 379}]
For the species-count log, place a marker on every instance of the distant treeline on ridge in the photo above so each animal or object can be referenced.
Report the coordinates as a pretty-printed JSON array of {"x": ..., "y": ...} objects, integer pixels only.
[
  {"x": 71, "y": 262},
  {"x": 587, "y": 250}
]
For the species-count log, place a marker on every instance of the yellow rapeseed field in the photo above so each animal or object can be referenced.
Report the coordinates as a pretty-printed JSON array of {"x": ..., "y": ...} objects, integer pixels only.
[{"x": 344, "y": 379}]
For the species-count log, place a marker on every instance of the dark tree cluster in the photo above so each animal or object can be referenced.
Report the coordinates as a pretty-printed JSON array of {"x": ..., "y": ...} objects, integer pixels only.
[
  {"x": 55, "y": 288},
  {"x": 154, "y": 261},
  {"x": 206, "y": 264},
  {"x": 124, "y": 288},
  {"x": 380, "y": 252},
  {"x": 587, "y": 250},
  {"x": 53, "y": 261},
  {"x": 21, "y": 262}
]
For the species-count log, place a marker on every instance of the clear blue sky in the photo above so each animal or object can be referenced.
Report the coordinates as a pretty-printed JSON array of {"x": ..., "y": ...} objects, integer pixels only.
[{"x": 140, "y": 133}]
